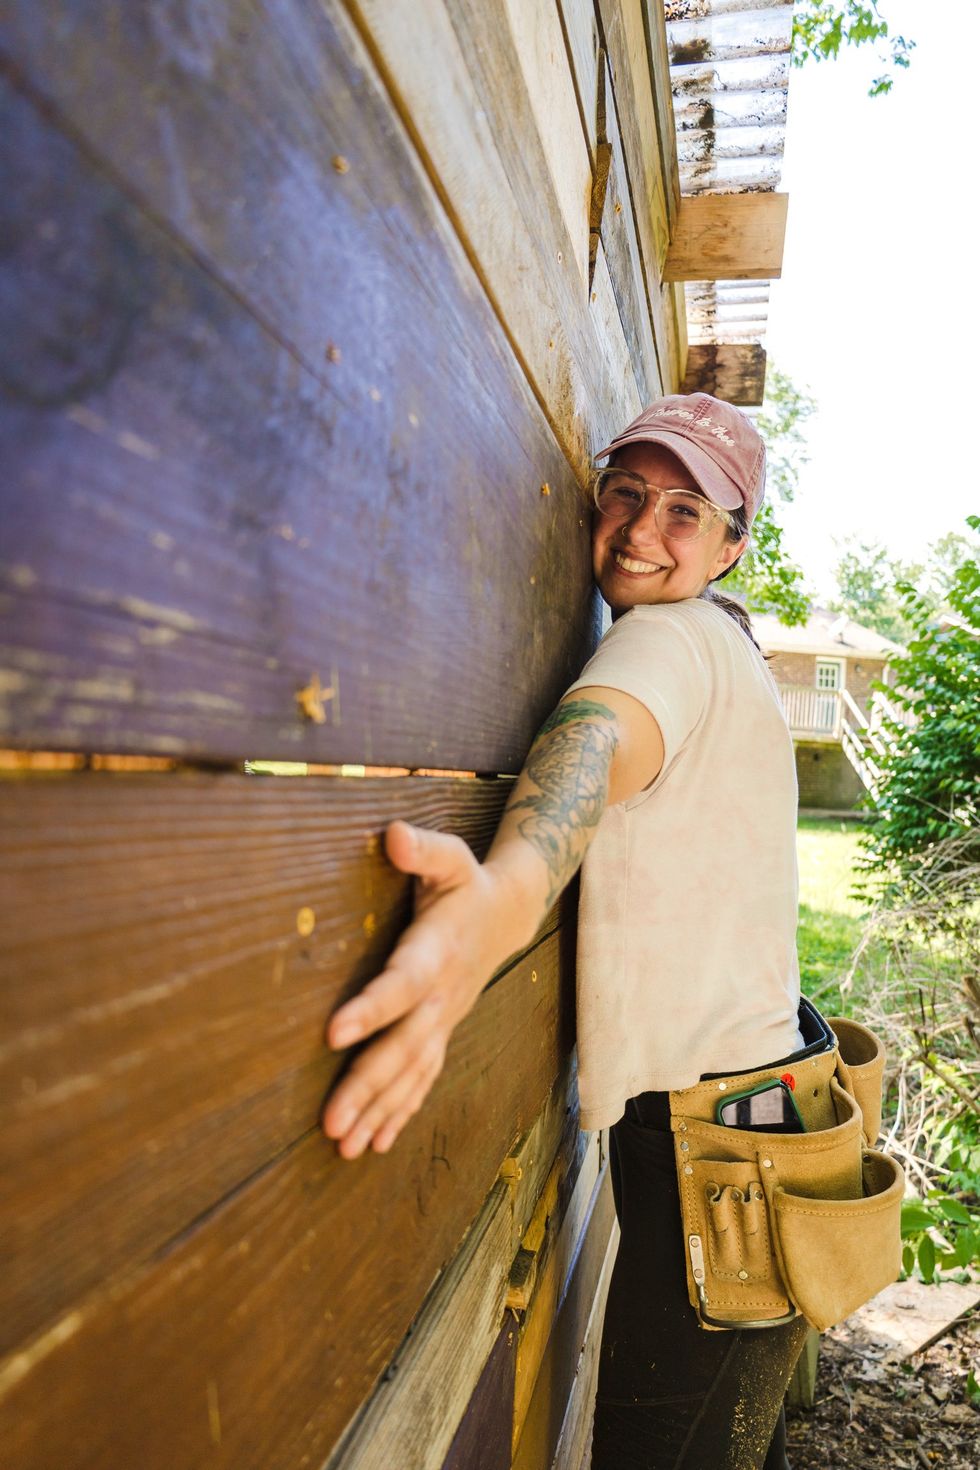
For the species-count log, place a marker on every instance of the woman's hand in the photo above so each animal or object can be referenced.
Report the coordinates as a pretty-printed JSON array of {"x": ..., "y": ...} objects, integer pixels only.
[{"x": 435, "y": 974}]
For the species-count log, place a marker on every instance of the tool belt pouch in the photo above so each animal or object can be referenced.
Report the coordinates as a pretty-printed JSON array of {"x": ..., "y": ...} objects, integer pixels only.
[{"x": 782, "y": 1224}]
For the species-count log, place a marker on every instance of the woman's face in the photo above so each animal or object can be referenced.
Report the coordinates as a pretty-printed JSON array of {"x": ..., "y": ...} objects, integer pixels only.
[{"x": 633, "y": 564}]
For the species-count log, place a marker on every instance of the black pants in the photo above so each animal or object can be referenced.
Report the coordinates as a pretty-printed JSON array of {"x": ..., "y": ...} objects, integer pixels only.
[{"x": 672, "y": 1396}]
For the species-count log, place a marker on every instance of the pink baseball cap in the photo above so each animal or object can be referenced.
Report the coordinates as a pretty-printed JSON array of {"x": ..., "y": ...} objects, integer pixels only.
[{"x": 721, "y": 447}]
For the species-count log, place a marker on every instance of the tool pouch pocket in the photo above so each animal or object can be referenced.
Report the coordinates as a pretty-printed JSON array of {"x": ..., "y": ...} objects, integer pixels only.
[
  {"x": 779, "y": 1224},
  {"x": 834, "y": 1255}
]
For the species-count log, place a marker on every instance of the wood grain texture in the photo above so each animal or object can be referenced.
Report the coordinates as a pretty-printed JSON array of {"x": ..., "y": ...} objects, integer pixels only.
[
  {"x": 556, "y": 1375},
  {"x": 252, "y": 1338},
  {"x": 163, "y": 1013},
  {"x": 728, "y": 237},
  {"x": 734, "y": 371},
  {"x": 260, "y": 422}
]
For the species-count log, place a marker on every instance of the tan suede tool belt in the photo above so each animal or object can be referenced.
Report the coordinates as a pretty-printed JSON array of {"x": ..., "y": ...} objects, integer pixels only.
[{"x": 778, "y": 1224}]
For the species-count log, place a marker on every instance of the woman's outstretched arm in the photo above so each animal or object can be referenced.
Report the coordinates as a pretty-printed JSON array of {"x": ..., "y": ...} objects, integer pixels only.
[{"x": 598, "y": 748}]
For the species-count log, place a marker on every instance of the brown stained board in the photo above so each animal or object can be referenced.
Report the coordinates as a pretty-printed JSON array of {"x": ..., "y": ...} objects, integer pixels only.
[
  {"x": 162, "y": 1013},
  {"x": 619, "y": 239},
  {"x": 251, "y": 1339},
  {"x": 259, "y": 420},
  {"x": 455, "y": 74},
  {"x": 556, "y": 1378},
  {"x": 434, "y": 1379}
]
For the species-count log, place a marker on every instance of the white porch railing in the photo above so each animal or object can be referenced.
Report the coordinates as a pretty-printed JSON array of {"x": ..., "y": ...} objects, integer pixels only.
[
  {"x": 832, "y": 714},
  {"x": 811, "y": 711}
]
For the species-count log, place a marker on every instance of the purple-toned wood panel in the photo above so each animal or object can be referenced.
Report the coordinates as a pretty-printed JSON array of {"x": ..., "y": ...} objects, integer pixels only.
[{"x": 215, "y": 493}]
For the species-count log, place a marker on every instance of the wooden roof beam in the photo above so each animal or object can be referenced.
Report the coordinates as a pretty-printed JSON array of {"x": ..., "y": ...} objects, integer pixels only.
[
  {"x": 734, "y": 371},
  {"x": 728, "y": 237}
]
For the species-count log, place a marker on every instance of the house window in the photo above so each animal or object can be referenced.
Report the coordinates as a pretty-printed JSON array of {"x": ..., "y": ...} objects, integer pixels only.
[{"x": 830, "y": 673}]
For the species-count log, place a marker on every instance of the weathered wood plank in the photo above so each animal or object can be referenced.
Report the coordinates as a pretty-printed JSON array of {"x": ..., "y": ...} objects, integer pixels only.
[
  {"x": 252, "y": 1338},
  {"x": 455, "y": 73},
  {"x": 626, "y": 269},
  {"x": 734, "y": 371},
  {"x": 638, "y": 123},
  {"x": 578, "y": 20},
  {"x": 655, "y": 31},
  {"x": 539, "y": 43},
  {"x": 563, "y": 1228},
  {"x": 220, "y": 478},
  {"x": 609, "y": 329},
  {"x": 164, "y": 997},
  {"x": 728, "y": 237},
  {"x": 575, "y": 1439},
  {"x": 556, "y": 1375},
  {"x": 623, "y": 34}
]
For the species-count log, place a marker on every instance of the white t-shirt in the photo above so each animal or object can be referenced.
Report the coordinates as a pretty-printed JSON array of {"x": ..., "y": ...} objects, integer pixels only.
[{"x": 687, "y": 919}]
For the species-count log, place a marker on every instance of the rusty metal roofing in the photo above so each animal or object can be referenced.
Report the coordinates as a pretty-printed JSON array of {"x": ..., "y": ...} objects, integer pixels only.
[{"x": 729, "y": 73}]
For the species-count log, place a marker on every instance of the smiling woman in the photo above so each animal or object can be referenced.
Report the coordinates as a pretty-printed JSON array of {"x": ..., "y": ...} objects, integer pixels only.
[{"x": 686, "y": 947}]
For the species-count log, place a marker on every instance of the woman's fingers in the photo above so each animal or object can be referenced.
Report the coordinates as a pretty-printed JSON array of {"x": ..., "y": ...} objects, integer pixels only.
[
  {"x": 409, "y": 1050},
  {"x": 439, "y": 859},
  {"x": 397, "y": 1102}
]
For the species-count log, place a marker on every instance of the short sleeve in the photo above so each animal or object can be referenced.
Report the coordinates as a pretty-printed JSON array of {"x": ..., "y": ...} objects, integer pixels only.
[{"x": 654, "y": 654}]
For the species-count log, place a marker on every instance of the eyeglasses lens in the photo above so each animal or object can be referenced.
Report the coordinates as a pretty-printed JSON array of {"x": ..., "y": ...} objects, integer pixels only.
[{"x": 681, "y": 516}]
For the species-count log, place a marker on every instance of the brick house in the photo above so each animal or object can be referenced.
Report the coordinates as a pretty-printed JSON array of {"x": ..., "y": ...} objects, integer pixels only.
[{"x": 825, "y": 669}]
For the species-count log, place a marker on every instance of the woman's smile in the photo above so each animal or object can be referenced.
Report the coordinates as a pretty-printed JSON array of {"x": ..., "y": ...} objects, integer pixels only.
[{"x": 633, "y": 566}]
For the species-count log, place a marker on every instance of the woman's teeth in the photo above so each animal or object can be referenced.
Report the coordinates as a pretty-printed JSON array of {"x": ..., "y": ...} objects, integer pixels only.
[{"x": 629, "y": 565}]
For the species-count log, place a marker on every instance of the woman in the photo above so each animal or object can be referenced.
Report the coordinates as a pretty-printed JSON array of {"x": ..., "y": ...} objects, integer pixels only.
[{"x": 669, "y": 762}]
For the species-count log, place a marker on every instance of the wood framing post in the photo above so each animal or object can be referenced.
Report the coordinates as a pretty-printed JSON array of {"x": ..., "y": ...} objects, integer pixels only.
[{"x": 728, "y": 237}]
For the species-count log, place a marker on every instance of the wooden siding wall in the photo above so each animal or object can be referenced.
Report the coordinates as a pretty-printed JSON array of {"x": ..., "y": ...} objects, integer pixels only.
[{"x": 312, "y": 315}]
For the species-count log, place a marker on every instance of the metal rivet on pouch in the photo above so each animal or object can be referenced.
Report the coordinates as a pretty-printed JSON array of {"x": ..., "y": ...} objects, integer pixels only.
[
  {"x": 685, "y": 1146},
  {"x": 699, "y": 1275},
  {"x": 688, "y": 1169},
  {"x": 722, "y": 1086},
  {"x": 743, "y": 1275},
  {"x": 683, "y": 1128},
  {"x": 767, "y": 1163}
]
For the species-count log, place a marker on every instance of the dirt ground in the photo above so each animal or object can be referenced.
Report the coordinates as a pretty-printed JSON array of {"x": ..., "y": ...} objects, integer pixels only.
[{"x": 875, "y": 1413}]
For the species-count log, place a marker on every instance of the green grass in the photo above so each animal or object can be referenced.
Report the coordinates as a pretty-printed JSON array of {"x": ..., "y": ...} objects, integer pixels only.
[{"x": 831, "y": 920}]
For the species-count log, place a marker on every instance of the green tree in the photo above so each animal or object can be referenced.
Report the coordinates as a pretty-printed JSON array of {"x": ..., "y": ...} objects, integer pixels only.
[
  {"x": 867, "y": 588},
  {"x": 930, "y": 787},
  {"x": 766, "y": 579},
  {"x": 821, "y": 29}
]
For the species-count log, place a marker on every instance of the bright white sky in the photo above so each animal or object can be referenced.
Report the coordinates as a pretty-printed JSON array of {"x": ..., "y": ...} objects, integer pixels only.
[{"x": 877, "y": 309}]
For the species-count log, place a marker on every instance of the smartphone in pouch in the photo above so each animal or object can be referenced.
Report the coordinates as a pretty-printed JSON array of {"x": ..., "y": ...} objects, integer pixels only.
[{"x": 768, "y": 1108}]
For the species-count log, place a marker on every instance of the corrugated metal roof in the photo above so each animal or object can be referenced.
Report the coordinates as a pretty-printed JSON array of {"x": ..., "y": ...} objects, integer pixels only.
[{"x": 729, "y": 72}]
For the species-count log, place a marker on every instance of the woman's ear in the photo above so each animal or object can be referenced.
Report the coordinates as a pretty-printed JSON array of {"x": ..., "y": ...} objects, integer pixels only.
[{"x": 730, "y": 552}]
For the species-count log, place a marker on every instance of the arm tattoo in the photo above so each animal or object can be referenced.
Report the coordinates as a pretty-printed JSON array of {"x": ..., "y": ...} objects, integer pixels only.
[{"x": 569, "y": 762}]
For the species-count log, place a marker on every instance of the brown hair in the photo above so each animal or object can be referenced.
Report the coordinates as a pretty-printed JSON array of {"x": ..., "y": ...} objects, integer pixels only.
[{"x": 737, "y": 528}]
